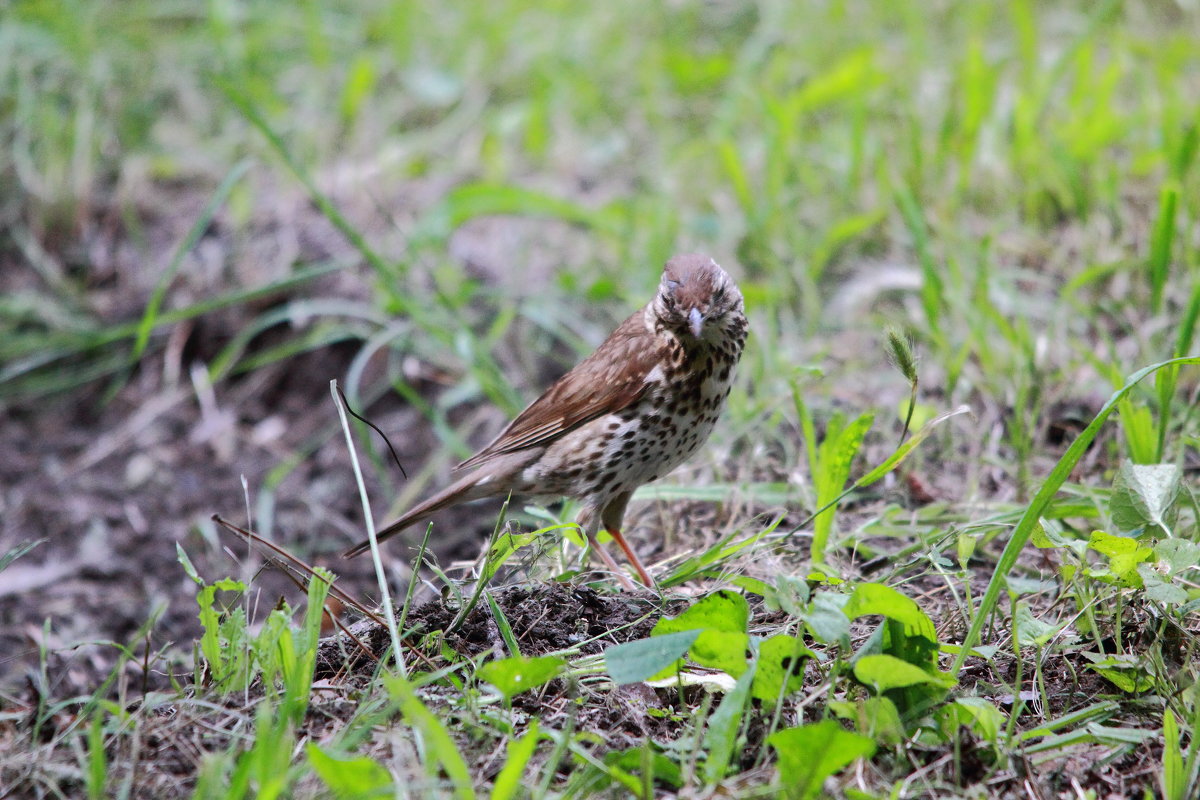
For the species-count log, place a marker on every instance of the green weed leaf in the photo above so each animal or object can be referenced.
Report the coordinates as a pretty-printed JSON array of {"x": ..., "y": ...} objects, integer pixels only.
[
  {"x": 826, "y": 620},
  {"x": 643, "y": 659},
  {"x": 353, "y": 777},
  {"x": 975, "y": 713},
  {"x": 875, "y": 717},
  {"x": 520, "y": 674},
  {"x": 724, "y": 618},
  {"x": 1178, "y": 554},
  {"x": 909, "y": 634},
  {"x": 1145, "y": 495},
  {"x": 811, "y": 753},
  {"x": 1031, "y": 631},
  {"x": 1123, "y": 554},
  {"x": 883, "y": 672},
  {"x": 1159, "y": 589},
  {"x": 780, "y": 659}
]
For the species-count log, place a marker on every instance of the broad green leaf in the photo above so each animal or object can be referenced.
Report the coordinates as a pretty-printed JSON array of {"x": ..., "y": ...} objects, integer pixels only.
[
  {"x": 1158, "y": 588},
  {"x": 721, "y": 650},
  {"x": 1144, "y": 495},
  {"x": 357, "y": 777},
  {"x": 1044, "y": 538},
  {"x": 984, "y": 651},
  {"x": 1129, "y": 681},
  {"x": 826, "y": 620},
  {"x": 519, "y": 673},
  {"x": 793, "y": 594},
  {"x": 883, "y": 672},
  {"x": 975, "y": 713},
  {"x": 875, "y": 598},
  {"x": 755, "y": 586},
  {"x": 1031, "y": 631},
  {"x": 1177, "y": 554},
  {"x": 724, "y": 610},
  {"x": 1123, "y": 554},
  {"x": 643, "y": 659},
  {"x": 1019, "y": 585},
  {"x": 780, "y": 657},
  {"x": 1125, "y": 672},
  {"x": 724, "y": 618},
  {"x": 811, "y": 753},
  {"x": 876, "y": 717}
]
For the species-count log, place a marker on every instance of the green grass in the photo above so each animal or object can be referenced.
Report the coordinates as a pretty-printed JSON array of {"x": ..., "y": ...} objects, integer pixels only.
[{"x": 1011, "y": 186}]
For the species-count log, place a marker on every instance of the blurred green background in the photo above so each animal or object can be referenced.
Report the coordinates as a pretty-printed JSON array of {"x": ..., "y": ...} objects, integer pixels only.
[{"x": 1012, "y": 184}]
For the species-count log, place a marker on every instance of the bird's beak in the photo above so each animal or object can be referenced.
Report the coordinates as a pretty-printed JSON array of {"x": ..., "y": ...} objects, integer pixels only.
[{"x": 695, "y": 322}]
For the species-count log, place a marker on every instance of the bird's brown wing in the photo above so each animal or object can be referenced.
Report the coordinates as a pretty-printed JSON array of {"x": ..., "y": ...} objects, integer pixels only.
[{"x": 610, "y": 379}]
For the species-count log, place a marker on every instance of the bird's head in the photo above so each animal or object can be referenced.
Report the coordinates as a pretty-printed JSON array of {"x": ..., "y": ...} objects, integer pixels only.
[{"x": 696, "y": 297}]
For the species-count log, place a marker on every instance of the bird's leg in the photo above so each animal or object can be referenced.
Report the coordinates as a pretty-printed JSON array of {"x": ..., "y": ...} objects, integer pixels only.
[
  {"x": 611, "y": 514},
  {"x": 632, "y": 556},
  {"x": 607, "y": 558}
]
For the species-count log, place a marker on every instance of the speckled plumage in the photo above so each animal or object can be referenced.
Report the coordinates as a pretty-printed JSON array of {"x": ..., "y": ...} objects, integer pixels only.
[{"x": 631, "y": 412}]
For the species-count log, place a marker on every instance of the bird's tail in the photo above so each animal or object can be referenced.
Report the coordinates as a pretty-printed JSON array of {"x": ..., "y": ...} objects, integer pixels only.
[{"x": 466, "y": 488}]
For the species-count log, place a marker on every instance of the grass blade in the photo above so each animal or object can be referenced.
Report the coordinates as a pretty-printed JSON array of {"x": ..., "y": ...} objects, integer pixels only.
[{"x": 1029, "y": 520}]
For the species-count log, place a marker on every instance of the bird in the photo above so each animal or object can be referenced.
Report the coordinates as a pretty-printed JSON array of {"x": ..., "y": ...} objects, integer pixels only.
[{"x": 635, "y": 409}]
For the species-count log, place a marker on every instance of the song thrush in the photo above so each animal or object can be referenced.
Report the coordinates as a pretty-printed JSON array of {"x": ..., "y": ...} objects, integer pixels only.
[{"x": 629, "y": 413}]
